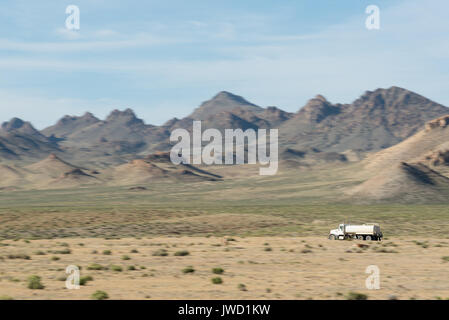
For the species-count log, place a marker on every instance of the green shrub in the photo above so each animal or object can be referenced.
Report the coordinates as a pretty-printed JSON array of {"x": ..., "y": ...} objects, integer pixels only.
[
  {"x": 217, "y": 280},
  {"x": 131, "y": 268},
  {"x": 188, "y": 269},
  {"x": 100, "y": 295},
  {"x": 267, "y": 249},
  {"x": 85, "y": 279},
  {"x": 242, "y": 287},
  {"x": 39, "y": 253},
  {"x": 34, "y": 282},
  {"x": 218, "y": 270},
  {"x": 384, "y": 250},
  {"x": 160, "y": 253},
  {"x": 6, "y": 298},
  {"x": 182, "y": 253},
  {"x": 107, "y": 252},
  {"x": 63, "y": 251},
  {"x": 19, "y": 256},
  {"x": 134, "y": 251},
  {"x": 356, "y": 296},
  {"x": 116, "y": 268},
  {"x": 95, "y": 266},
  {"x": 55, "y": 258},
  {"x": 445, "y": 258}
]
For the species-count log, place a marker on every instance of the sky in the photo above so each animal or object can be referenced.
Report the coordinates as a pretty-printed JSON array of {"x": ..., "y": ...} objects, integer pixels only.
[{"x": 163, "y": 58}]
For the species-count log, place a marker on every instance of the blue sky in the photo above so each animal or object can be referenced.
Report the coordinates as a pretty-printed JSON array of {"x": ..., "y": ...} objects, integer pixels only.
[{"x": 163, "y": 58}]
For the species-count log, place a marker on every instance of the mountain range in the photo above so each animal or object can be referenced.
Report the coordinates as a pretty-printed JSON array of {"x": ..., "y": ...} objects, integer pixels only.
[
  {"x": 375, "y": 121},
  {"x": 398, "y": 137}
]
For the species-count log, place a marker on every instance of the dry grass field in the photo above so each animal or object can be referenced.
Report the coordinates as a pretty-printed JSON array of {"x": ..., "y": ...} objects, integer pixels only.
[
  {"x": 250, "y": 268},
  {"x": 280, "y": 226}
]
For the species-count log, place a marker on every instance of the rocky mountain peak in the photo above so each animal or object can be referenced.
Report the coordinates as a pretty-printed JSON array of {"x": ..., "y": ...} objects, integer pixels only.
[
  {"x": 88, "y": 115},
  {"x": 225, "y": 96},
  {"x": 14, "y": 123},
  {"x": 19, "y": 126},
  {"x": 318, "y": 109},
  {"x": 223, "y": 101},
  {"x": 127, "y": 116},
  {"x": 320, "y": 98}
]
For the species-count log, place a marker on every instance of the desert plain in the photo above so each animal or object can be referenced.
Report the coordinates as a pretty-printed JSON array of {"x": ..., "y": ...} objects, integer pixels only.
[{"x": 264, "y": 237}]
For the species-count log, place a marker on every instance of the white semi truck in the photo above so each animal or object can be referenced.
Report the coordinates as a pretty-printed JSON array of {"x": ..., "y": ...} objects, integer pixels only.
[{"x": 367, "y": 231}]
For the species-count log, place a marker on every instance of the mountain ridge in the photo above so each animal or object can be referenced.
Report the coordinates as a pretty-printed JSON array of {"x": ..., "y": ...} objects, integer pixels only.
[{"x": 376, "y": 120}]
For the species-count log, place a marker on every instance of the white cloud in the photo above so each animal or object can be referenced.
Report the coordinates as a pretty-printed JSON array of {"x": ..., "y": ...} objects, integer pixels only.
[
  {"x": 198, "y": 24},
  {"x": 105, "y": 33},
  {"x": 134, "y": 41},
  {"x": 68, "y": 34}
]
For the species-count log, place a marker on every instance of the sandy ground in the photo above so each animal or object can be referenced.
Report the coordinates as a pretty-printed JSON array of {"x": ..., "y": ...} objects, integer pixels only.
[{"x": 268, "y": 267}]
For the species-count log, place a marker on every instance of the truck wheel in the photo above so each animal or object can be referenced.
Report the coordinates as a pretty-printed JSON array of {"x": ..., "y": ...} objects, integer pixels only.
[
  {"x": 332, "y": 237},
  {"x": 360, "y": 237},
  {"x": 368, "y": 238}
]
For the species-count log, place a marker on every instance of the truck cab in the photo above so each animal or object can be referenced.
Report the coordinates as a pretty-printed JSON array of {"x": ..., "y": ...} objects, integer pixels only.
[{"x": 337, "y": 233}]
